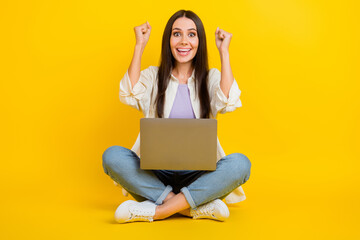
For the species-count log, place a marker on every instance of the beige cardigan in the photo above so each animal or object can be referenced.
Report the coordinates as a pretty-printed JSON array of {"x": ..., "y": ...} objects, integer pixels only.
[{"x": 142, "y": 97}]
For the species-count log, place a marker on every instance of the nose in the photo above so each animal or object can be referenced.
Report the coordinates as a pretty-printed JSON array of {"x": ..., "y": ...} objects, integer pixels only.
[{"x": 184, "y": 40}]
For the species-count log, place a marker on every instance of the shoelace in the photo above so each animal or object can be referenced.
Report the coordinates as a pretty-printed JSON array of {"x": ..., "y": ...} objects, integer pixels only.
[
  {"x": 135, "y": 213},
  {"x": 205, "y": 211}
]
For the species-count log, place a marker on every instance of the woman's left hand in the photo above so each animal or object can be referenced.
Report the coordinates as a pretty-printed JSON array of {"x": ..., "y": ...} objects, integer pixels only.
[{"x": 222, "y": 39}]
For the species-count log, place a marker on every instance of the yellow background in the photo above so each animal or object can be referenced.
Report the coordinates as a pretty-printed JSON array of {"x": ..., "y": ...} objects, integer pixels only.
[{"x": 296, "y": 62}]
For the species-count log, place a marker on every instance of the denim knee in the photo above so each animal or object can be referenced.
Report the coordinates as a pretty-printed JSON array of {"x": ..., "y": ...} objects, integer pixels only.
[
  {"x": 112, "y": 157},
  {"x": 242, "y": 165}
]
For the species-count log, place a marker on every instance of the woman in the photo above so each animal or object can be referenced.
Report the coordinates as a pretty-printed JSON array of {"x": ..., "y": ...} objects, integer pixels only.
[{"x": 181, "y": 87}]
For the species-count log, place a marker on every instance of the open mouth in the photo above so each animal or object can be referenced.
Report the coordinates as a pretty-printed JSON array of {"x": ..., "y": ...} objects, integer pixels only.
[{"x": 183, "y": 51}]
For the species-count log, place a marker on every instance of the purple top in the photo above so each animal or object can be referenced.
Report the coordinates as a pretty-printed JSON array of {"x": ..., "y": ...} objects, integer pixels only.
[{"x": 182, "y": 107}]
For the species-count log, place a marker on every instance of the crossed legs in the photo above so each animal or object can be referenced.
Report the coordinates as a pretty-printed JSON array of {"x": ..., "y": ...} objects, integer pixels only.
[{"x": 123, "y": 166}]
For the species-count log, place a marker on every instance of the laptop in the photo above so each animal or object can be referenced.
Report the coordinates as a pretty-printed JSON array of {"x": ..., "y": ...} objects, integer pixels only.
[{"x": 178, "y": 144}]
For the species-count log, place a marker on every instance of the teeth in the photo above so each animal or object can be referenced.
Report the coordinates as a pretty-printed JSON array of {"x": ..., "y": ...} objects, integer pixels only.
[{"x": 183, "y": 50}]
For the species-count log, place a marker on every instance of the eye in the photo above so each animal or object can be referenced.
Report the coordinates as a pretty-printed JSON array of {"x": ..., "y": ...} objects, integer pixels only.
[
  {"x": 176, "y": 34},
  {"x": 192, "y": 34}
]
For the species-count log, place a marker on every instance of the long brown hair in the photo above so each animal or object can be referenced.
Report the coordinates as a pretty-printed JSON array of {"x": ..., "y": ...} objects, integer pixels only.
[{"x": 199, "y": 62}]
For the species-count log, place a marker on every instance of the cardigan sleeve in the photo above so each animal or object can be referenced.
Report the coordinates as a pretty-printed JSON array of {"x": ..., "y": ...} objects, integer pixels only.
[
  {"x": 139, "y": 95},
  {"x": 219, "y": 103}
]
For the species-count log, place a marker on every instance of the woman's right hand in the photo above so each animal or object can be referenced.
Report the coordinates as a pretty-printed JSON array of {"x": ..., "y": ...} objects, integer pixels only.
[{"x": 142, "y": 34}]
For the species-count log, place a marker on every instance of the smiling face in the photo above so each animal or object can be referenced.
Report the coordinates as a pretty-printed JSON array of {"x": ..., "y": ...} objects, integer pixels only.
[{"x": 184, "y": 40}]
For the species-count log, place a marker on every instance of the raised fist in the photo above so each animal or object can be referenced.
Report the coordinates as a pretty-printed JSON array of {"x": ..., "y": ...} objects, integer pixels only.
[
  {"x": 142, "y": 34},
  {"x": 222, "y": 39}
]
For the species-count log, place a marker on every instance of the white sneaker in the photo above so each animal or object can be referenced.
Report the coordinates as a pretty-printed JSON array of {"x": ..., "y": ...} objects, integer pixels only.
[
  {"x": 215, "y": 209},
  {"x": 131, "y": 211}
]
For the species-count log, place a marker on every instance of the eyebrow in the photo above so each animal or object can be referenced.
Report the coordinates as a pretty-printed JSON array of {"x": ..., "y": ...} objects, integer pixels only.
[{"x": 180, "y": 29}]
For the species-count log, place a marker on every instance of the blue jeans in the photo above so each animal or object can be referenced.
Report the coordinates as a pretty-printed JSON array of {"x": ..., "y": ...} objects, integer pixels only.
[{"x": 199, "y": 187}]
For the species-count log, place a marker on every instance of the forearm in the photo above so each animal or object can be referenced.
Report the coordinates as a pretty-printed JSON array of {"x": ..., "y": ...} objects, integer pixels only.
[
  {"x": 227, "y": 76},
  {"x": 135, "y": 65}
]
